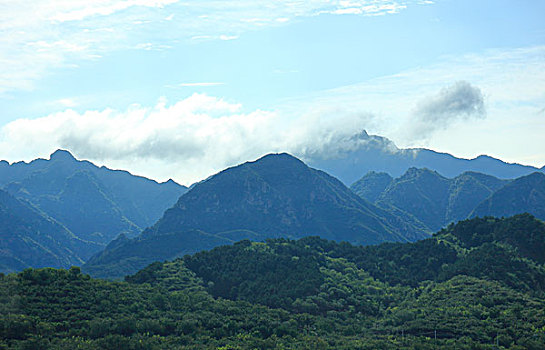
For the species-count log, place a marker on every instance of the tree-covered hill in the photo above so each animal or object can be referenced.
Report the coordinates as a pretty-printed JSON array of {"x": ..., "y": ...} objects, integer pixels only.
[
  {"x": 474, "y": 285},
  {"x": 275, "y": 196}
]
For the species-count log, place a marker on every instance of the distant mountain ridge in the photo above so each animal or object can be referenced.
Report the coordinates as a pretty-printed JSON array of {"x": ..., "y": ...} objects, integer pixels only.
[
  {"x": 376, "y": 153},
  {"x": 437, "y": 201},
  {"x": 133, "y": 193},
  {"x": 95, "y": 204},
  {"x": 275, "y": 196}
]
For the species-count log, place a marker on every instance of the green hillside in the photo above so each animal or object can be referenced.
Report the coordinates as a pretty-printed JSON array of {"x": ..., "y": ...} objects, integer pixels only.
[{"x": 475, "y": 285}]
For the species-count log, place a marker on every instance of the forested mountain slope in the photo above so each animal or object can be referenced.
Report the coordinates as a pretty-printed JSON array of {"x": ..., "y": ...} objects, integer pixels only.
[
  {"x": 525, "y": 194},
  {"x": 275, "y": 196},
  {"x": 478, "y": 284},
  {"x": 29, "y": 238},
  {"x": 95, "y": 203}
]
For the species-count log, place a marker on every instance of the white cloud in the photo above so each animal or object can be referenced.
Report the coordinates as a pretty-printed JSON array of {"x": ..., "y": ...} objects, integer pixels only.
[
  {"x": 37, "y": 37},
  {"x": 188, "y": 141},
  {"x": 511, "y": 81},
  {"x": 65, "y": 11},
  {"x": 67, "y": 102},
  {"x": 228, "y": 37}
]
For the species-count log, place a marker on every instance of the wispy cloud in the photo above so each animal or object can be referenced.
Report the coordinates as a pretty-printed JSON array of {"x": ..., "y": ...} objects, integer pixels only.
[
  {"x": 228, "y": 37},
  {"x": 507, "y": 84},
  {"x": 37, "y": 37}
]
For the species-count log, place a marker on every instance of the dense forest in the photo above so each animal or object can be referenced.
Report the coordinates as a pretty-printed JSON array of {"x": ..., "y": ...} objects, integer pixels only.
[{"x": 479, "y": 284}]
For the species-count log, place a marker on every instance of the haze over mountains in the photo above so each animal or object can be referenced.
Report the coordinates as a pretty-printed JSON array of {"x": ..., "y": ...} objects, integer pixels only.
[{"x": 364, "y": 153}]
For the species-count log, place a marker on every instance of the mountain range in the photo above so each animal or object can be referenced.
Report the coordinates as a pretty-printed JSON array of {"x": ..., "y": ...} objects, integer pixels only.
[
  {"x": 117, "y": 223},
  {"x": 89, "y": 205},
  {"x": 364, "y": 153},
  {"x": 436, "y": 200},
  {"x": 275, "y": 196}
]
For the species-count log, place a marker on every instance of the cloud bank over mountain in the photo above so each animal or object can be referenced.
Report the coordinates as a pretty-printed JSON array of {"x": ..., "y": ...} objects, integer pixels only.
[{"x": 190, "y": 139}]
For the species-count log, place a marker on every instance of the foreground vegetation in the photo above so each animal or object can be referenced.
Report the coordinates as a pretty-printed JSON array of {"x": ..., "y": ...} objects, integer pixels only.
[{"x": 475, "y": 285}]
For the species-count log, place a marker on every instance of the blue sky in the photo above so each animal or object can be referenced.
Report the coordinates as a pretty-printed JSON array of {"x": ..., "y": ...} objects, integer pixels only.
[{"x": 182, "y": 89}]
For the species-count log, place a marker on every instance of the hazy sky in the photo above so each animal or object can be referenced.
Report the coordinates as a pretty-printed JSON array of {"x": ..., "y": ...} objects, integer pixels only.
[{"x": 182, "y": 89}]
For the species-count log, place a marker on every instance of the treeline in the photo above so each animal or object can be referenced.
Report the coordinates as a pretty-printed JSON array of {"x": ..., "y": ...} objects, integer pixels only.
[{"x": 474, "y": 285}]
